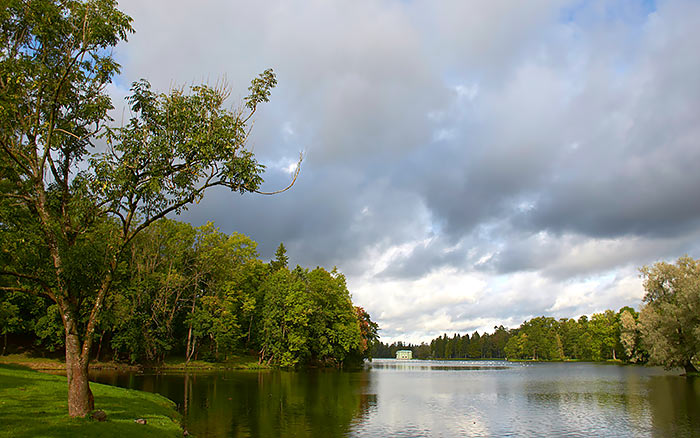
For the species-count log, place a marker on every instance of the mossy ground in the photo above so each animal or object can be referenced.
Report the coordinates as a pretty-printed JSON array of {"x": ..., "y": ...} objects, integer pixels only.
[{"x": 34, "y": 404}]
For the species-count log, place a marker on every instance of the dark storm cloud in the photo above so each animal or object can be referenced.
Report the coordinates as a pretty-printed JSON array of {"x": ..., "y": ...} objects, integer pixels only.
[
  {"x": 309, "y": 218},
  {"x": 490, "y": 148}
]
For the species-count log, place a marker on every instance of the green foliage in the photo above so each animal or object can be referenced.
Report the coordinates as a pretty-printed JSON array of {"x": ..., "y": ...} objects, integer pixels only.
[
  {"x": 281, "y": 259},
  {"x": 175, "y": 147},
  {"x": 308, "y": 317},
  {"x": 286, "y": 319},
  {"x": 516, "y": 346},
  {"x": 183, "y": 289},
  {"x": 605, "y": 331},
  {"x": 49, "y": 329},
  {"x": 670, "y": 318}
]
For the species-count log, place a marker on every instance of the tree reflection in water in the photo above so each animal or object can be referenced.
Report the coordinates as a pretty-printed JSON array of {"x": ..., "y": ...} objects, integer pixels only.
[{"x": 260, "y": 404}]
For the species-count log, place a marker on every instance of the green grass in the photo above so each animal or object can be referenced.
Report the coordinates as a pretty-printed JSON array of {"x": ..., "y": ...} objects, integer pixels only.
[{"x": 34, "y": 404}]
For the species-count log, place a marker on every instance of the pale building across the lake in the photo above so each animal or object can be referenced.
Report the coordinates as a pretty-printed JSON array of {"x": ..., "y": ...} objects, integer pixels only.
[{"x": 404, "y": 354}]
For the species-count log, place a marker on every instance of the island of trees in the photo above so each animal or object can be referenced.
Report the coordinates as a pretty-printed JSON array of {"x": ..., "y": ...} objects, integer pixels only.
[{"x": 666, "y": 331}]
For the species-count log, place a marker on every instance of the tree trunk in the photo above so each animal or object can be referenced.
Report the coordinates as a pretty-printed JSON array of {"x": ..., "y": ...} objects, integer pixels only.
[
  {"x": 99, "y": 347},
  {"x": 80, "y": 399},
  {"x": 4, "y": 345},
  {"x": 690, "y": 368},
  {"x": 189, "y": 350},
  {"x": 250, "y": 327}
]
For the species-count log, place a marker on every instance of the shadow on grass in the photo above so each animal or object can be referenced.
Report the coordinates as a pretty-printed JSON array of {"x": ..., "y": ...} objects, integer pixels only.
[{"x": 14, "y": 366}]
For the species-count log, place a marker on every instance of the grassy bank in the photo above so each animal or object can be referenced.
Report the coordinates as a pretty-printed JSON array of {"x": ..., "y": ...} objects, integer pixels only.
[
  {"x": 34, "y": 404},
  {"x": 39, "y": 363}
]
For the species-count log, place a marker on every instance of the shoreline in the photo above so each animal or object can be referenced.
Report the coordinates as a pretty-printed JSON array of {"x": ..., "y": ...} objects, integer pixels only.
[{"x": 54, "y": 364}]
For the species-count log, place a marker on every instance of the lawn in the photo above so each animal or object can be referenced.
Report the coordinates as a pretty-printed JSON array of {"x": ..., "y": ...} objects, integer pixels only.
[{"x": 34, "y": 404}]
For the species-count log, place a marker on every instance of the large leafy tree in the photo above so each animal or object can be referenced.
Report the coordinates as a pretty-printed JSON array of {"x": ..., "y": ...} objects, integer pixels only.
[
  {"x": 69, "y": 213},
  {"x": 670, "y": 319}
]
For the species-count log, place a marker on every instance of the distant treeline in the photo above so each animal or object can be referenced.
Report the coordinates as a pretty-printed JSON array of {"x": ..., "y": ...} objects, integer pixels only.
[
  {"x": 666, "y": 331},
  {"x": 603, "y": 336},
  {"x": 457, "y": 346},
  {"x": 201, "y": 294}
]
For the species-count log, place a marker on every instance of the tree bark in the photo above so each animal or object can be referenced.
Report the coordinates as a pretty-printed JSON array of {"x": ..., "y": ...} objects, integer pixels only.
[
  {"x": 80, "y": 399},
  {"x": 189, "y": 352},
  {"x": 99, "y": 347}
]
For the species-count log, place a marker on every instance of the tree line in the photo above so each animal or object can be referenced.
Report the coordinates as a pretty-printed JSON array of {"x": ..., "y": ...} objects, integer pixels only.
[
  {"x": 665, "y": 332},
  {"x": 199, "y": 293},
  {"x": 603, "y": 336}
]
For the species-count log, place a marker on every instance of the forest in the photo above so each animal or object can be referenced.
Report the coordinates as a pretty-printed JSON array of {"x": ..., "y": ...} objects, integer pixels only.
[{"x": 198, "y": 293}]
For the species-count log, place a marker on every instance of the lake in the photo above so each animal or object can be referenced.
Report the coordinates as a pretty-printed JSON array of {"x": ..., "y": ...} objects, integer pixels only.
[{"x": 431, "y": 399}]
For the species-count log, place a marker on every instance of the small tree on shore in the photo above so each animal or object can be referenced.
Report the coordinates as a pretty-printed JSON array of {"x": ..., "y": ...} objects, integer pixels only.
[{"x": 68, "y": 213}]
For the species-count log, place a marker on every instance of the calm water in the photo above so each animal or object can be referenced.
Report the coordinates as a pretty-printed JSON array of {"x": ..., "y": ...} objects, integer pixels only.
[{"x": 432, "y": 399}]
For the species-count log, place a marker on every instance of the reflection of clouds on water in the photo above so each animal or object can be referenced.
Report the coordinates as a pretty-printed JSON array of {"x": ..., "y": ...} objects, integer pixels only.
[
  {"x": 434, "y": 399},
  {"x": 472, "y": 426},
  {"x": 488, "y": 399}
]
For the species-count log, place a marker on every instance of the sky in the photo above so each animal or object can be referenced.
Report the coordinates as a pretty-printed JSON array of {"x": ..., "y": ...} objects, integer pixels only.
[{"x": 466, "y": 164}]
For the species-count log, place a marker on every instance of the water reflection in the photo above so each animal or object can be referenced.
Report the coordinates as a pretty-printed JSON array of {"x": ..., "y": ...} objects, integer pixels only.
[
  {"x": 408, "y": 365},
  {"x": 260, "y": 404},
  {"x": 433, "y": 398},
  {"x": 676, "y": 407}
]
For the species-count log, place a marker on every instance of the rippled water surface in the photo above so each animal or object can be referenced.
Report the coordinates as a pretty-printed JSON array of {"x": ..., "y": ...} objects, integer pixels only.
[{"x": 432, "y": 399}]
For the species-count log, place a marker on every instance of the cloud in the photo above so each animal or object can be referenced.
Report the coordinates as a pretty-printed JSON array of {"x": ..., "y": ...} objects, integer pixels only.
[{"x": 467, "y": 164}]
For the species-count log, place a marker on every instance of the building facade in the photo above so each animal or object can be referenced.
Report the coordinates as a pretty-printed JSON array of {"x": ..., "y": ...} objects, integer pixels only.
[{"x": 404, "y": 354}]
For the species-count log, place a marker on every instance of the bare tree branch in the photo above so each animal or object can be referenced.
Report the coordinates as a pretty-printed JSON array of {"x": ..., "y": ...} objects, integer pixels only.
[{"x": 294, "y": 180}]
